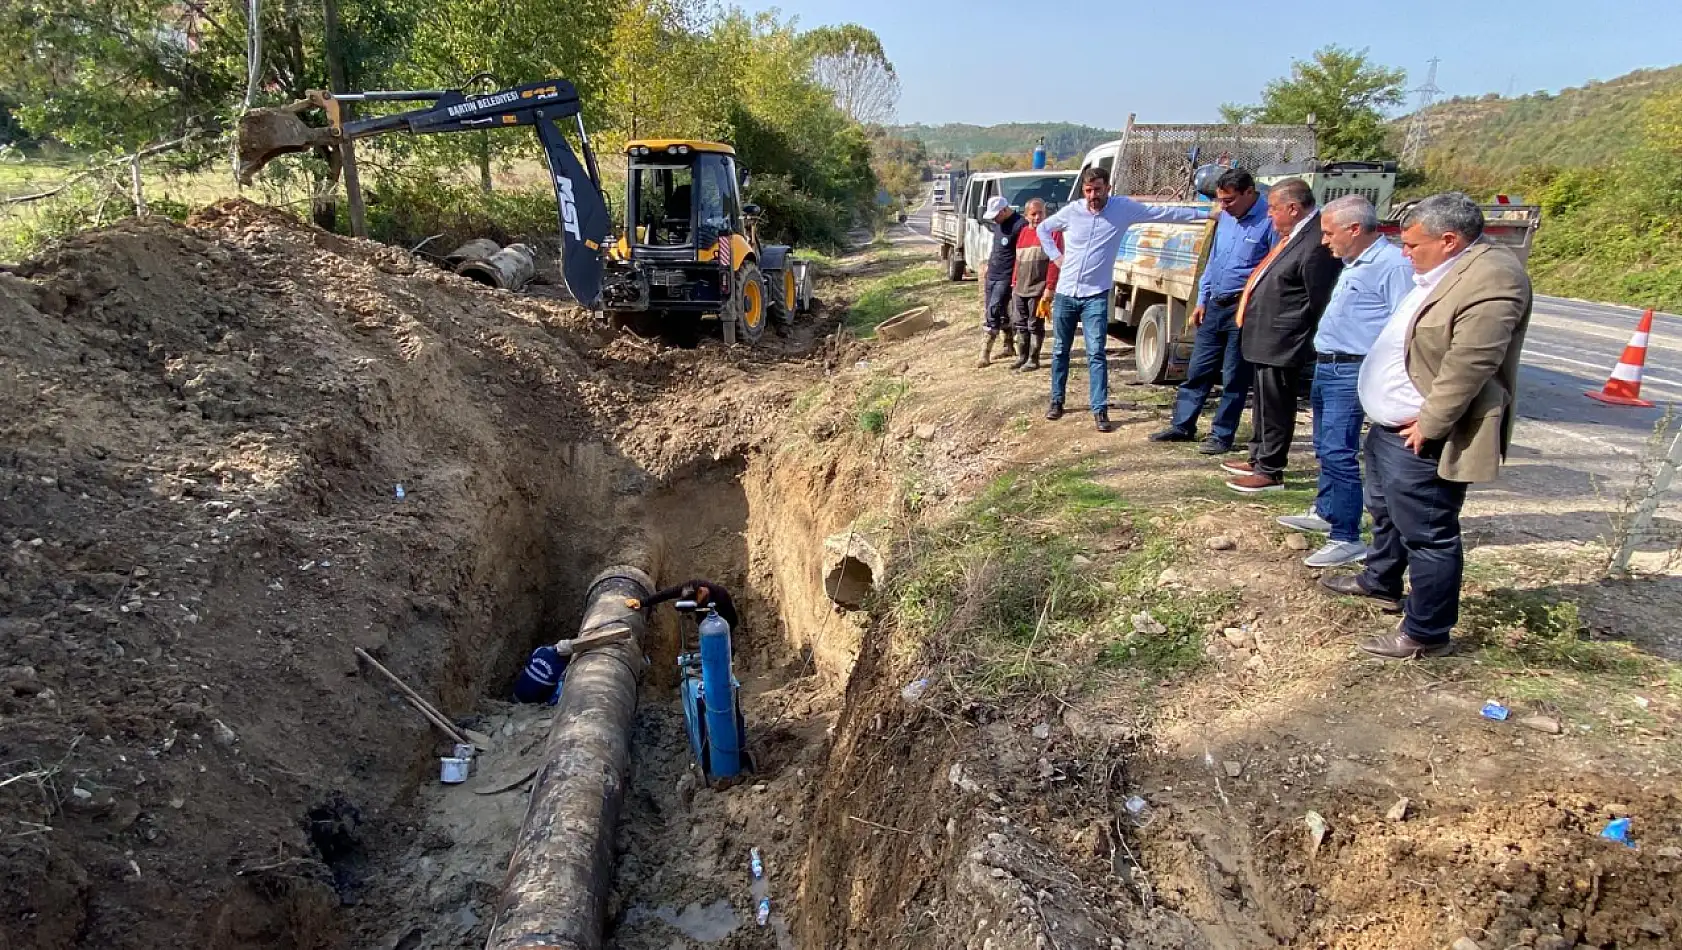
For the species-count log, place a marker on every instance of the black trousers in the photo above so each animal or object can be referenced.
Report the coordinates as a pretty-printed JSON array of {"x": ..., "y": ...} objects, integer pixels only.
[
  {"x": 1415, "y": 532},
  {"x": 1275, "y": 417}
]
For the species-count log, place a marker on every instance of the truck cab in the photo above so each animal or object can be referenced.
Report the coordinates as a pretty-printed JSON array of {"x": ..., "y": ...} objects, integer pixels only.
[{"x": 964, "y": 234}]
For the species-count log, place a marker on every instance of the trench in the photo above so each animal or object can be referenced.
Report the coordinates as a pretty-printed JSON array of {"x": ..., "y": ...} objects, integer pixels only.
[{"x": 682, "y": 849}]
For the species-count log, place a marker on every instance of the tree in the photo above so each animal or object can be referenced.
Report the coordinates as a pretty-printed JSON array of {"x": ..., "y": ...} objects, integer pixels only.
[
  {"x": 850, "y": 62},
  {"x": 1344, "y": 92}
]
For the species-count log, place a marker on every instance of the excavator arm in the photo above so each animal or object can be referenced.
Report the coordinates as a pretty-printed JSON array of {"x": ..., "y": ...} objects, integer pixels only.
[{"x": 265, "y": 134}]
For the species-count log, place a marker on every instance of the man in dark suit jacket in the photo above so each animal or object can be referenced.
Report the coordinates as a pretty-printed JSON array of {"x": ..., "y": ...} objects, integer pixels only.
[{"x": 1277, "y": 317}]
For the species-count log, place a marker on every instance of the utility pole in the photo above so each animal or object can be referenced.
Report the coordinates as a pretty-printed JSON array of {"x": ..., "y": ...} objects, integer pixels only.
[
  {"x": 1418, "y": 130},
  {"x": 336, "y": 77}
]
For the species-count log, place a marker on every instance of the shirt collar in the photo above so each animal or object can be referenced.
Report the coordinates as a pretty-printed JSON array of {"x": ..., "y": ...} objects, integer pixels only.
[
  {"x": 1431, "y": 278},
  {"x": 1303, "y": 223},
  {"x": 1257, "y": 210},
  {"x": 1370, "y": 254}
]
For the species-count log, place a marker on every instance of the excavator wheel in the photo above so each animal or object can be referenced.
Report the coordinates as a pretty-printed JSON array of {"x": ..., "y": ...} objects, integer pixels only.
[
  {"x": 751, "y": 309},
  {"x": 785, "y": 296}
]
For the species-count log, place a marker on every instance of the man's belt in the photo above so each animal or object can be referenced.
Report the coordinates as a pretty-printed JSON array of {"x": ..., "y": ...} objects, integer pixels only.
[
  {"x": 1226, "y": 300},
  {"x": 1339, "y": 357}
]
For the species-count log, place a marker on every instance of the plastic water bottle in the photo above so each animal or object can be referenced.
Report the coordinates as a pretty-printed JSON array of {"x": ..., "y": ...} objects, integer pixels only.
[
  {"x": 758, "y": 865},
  {"x": 764, "y": 912},
  {"x": 914, "y": 690},
  {"x": 401, "y": 494}
]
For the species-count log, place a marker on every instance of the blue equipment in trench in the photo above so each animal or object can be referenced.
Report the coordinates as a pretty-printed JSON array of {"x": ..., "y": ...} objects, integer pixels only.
[{"x": 708, "y": 687}]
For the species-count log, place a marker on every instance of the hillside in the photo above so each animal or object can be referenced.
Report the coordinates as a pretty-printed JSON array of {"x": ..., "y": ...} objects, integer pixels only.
[
  {"x": 1586, "y": 125},
  {"x": 1062, "y": 139}
]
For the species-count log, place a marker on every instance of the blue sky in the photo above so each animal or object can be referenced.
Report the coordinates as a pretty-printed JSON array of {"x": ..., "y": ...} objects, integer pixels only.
[{"x": 1170, "y": 62}]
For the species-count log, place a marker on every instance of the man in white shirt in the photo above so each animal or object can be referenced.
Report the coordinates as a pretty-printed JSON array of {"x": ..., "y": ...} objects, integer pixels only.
[
  {"x": 1092, "y": 231},
  {"x": 1438, "y": 386}
]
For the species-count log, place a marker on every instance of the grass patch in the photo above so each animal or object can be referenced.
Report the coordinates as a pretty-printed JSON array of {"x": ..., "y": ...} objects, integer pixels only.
[
  {"x": 876, "y": 402},
  {"x": 1042, "y": 584},
  {"x": 888, "y": 295},
  {"x": 1524, "y": 629}
]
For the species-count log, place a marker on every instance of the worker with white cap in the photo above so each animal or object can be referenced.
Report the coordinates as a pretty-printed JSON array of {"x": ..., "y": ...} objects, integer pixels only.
[{"x": 996, "y": 274}]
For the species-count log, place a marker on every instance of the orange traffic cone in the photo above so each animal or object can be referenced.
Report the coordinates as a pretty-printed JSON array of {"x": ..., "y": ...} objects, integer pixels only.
[{"x": 1624, "y": 386}]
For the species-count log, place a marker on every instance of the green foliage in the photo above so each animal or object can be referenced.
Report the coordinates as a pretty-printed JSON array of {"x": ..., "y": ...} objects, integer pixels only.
[
  {"x": 1344, "y": 91},
  {"x": 1501, "y": 139},
  {"x": 113, "y": 75},
  {"x": 1612, "y": 231},
  {"x": 406, "y": 210},
  {"x": 1065, "y": 143}
]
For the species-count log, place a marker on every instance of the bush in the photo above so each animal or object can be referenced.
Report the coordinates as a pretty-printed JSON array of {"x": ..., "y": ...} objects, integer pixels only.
[
  {"x": 796, "y": 217},
  {"x": 407, "y": 210}
]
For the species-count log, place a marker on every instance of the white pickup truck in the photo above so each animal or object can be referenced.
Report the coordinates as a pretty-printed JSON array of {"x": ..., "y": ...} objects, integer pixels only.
[{"x": 964, "y": 236}]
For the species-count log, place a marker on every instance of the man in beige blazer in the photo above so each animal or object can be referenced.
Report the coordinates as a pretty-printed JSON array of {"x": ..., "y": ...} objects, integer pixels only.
[{"x": 1439, "y": 389}]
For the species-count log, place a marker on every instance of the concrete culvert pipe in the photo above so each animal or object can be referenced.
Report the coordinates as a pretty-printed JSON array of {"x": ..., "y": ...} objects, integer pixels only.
[
  {"x": 905, "y": 325},
  {"x": 478, "y": 249},
  {"x": 852, "y": 567},
  {"x": 555, "y": 894},
  {"x": 510, "y": 268}
]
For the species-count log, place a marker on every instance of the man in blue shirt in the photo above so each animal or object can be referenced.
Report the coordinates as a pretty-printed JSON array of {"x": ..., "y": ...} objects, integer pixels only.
[
  {"x": 1374, "y": 280},
  {"x": 1092, "y": 231},
  {"x": 1243, "y": 236}
]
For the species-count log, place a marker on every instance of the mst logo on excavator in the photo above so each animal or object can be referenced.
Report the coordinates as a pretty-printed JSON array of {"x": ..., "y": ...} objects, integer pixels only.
[{"x": 569, "y": 206}]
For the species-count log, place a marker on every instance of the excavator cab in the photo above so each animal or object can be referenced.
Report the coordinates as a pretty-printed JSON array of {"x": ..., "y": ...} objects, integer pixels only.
[{"x": 691, "y": 246}]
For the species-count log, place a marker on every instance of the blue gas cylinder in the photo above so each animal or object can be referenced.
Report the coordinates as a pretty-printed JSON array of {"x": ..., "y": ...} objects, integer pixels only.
[
  {"x": 1039, "y": 155},
  {"x": 724, "y": 740}
]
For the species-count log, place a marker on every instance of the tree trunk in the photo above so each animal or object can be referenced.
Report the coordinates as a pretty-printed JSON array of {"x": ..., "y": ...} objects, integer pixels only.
[
  {"x": 485, "y": 162},
  {"x": 336, "y": 77}
]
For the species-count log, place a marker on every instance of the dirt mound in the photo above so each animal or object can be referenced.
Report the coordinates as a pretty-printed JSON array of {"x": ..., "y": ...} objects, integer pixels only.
[{"x": 235, "y": 450}]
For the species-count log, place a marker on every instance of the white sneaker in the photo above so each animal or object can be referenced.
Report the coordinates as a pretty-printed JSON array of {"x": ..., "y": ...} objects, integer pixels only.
[
  {"x": 1309, "y": 521},
  {"x": 1337, "y": 554}
]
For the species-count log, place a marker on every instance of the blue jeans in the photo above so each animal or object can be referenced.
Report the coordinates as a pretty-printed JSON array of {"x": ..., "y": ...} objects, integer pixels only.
[
  {"x": 1092, "y": 315},
  {"x": 1337, "y": 444},
  {"x": 1215, "y": 354},
  {"x": 1415, "y": 532}
]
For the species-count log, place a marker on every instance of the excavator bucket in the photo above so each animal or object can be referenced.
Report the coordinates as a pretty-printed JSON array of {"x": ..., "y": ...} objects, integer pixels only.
[{"x": 265, "y": 134}]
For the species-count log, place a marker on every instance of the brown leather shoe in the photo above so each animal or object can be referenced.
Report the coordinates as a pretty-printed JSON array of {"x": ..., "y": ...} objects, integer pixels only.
[
  {"x": 1251, "y": 484},
  {"x": 1399, "y": 646},
  {"x": 1238, "y": 468},
  {"x": 1349, "y": 585}
]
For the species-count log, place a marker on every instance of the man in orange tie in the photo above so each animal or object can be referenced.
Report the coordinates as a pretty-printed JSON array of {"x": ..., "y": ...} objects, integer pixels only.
[{"x": 1277, "y": 315}]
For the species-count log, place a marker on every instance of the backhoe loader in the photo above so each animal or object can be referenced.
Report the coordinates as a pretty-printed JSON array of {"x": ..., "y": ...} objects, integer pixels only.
[{"x": 689, "y": 244}]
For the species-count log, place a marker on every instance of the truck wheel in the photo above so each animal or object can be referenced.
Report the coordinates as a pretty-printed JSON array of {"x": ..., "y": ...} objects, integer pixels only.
[
  {"x": 1150, "y": 347},
  {"x": 784, "y": 295},
  {"x": 955, "y": 266},
  {"x": 751, "y": 308}
]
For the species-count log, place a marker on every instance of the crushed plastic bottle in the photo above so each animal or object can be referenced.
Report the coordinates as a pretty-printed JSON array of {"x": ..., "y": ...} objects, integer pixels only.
[
  {"x": 1617, "y": 830},
  {"x": 1136, "y": 806},
  {"x": 914, "y": 690},
  {"x": 763, "y": 913},
  {"x": 1494, "y": 710},
  {"x": 401, "y": 494},
  {"x": 758, "y": 864}
]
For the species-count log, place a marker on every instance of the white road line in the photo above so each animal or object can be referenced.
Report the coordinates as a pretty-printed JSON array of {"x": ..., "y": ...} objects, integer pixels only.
[
  {"x": 1543, "y": 354},
  {"x": 1574, "y": 435}
]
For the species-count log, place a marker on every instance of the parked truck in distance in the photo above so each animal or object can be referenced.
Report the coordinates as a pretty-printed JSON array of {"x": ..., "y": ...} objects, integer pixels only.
[
  {"x": 963, "y": 234},
  {"x": 1158, "y": 266}
]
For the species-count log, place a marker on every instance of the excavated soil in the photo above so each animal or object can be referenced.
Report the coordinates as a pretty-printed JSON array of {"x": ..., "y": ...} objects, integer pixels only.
[{"x": 236, "y": 450}]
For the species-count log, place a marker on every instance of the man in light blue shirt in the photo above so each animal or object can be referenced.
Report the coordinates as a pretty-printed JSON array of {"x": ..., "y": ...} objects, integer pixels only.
[
  {"x": 1374, "y": 280},
  {"x": 1092, "y": 232},
  {"x": 1243, "y": 236}
]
